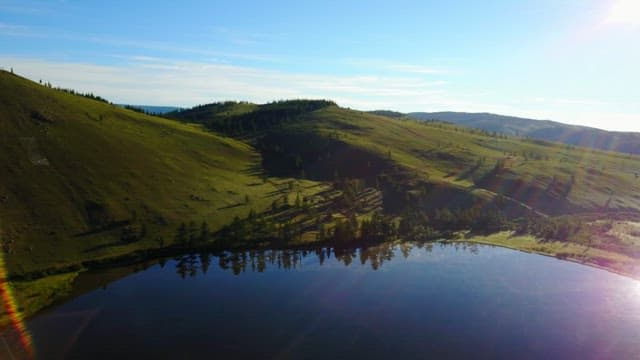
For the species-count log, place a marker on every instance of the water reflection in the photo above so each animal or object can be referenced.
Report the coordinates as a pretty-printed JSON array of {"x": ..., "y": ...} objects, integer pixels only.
[
  {"x": 260, "y": 260},
  {"x": 433, "y": 300}
]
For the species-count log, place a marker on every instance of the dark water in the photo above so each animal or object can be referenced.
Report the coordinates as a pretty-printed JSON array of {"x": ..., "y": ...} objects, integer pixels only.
[{"x": 409, "y": 302}]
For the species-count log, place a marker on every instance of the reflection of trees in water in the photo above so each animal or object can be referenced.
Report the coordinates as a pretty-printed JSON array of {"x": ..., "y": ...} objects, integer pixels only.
[{"x": 260, "y": 260}]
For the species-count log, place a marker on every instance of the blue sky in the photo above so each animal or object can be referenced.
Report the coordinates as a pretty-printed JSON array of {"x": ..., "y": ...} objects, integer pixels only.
[{"x": 571, "y": 61}]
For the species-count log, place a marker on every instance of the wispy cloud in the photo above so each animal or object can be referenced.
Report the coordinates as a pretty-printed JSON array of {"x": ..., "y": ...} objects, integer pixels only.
[
  {"x": 155, "y": 81},
  {"x": 131, "y": 43},
  {"x": 151, "y": 80}
]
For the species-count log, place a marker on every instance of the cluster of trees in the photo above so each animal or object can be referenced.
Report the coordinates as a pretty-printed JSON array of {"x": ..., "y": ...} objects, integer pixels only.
[
  {"x": 191, "y": 235},
  {"x": 266, "y": 117},
  {"x": 204, "y": 112},
  {"x": 137, "y": 109},
  {"x": 416, "y": 224},
  {"x": 74, "y": 92},
  {"x": 258, "y": 227},
  {"x": 291, "y": 153},
  {"x": 563, "y": 188},
  {"x": 350, "y": 189},
  {"x": 345, "y": 230},
  {"x": 378, "y": 228},
  {"x": 305, "y": 153},
  {"x": 564, "y": 228},
  {"x": 481, "y": 178}
]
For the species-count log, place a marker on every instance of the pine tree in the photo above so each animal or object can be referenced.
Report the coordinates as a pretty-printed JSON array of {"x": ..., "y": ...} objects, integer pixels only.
[
  {"x": 204, "y": 232},
  {"x": 181, "y": 236}
]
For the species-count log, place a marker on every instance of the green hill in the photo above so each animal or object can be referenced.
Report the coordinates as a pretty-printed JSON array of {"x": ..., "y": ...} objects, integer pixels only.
[
  {"x": 79, "y": 174},
  {"x": 553, "y": 178}
]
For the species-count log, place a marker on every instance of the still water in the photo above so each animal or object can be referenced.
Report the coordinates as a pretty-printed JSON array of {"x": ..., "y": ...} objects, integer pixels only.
[{"x": 465, "y": 301}]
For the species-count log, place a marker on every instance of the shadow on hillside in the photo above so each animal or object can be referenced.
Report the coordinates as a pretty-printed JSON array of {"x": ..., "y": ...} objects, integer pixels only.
[
  {"x": 551, "y": 200},
  {"x": 309, "y": 155}
]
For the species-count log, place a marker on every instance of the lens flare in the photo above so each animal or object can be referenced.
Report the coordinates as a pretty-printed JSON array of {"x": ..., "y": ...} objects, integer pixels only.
[
  {"x": 624, "y": 12},
  {"x": 16, "y": 318}
]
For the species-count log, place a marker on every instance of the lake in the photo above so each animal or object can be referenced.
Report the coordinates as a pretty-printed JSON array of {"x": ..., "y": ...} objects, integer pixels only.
[{"x": 440, "y": 300}]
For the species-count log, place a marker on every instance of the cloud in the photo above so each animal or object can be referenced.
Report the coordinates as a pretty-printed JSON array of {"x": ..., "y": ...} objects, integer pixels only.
[
  {"x": 148, "y": 80},
  {"x": 151, "y": 80},
  {"x": 154, "y": 46},
  {"x": 624, "y": 12}
]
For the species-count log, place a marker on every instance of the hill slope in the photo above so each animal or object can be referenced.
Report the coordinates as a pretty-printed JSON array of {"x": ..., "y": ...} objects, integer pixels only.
[
  {"x": 79, "y": 174},
  {"x": 626, "y": 142},
  {"x": 552, "y": 178}
]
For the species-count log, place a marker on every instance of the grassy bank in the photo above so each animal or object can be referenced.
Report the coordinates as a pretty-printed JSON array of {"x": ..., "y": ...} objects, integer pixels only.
[{"x": 603, "y": 259}]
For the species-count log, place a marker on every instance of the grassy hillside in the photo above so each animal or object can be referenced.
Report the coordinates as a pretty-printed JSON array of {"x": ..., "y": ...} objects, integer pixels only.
[
  {"x": 553, "y": 178},
  {"x": 625, "y": 142},
  {"x": 78, "y": 174}
]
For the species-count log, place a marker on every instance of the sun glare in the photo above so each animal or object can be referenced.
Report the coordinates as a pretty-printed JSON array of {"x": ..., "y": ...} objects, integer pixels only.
[{"x": 624, "y": 12}]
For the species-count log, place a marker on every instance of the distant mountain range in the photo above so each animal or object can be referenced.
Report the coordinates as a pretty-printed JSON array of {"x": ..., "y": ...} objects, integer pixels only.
[{"x": 626, "y": 142}]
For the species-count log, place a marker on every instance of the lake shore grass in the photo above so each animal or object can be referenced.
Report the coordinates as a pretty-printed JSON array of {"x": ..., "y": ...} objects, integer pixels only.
[{"x": 582, "y": 254}]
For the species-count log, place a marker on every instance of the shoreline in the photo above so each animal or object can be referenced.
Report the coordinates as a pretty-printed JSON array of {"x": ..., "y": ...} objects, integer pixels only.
[
  {"x": 501, "y": 239},
  {"x": 549, "y": 253}
]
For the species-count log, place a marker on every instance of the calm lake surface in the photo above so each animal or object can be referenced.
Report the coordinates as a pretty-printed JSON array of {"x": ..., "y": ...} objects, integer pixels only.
[{"x": 466, "y": 301}]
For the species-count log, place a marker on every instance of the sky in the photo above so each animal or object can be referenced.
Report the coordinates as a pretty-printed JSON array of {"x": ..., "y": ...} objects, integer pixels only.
[{"x": 574, "y": 61}]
